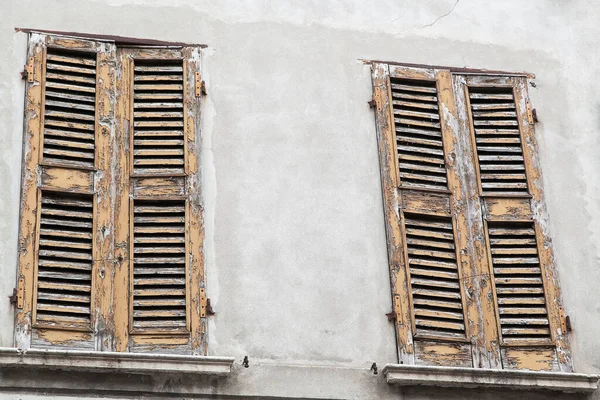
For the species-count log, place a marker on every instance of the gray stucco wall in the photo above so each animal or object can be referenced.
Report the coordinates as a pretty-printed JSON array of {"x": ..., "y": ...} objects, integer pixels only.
[{"x": 295, "y": 242}]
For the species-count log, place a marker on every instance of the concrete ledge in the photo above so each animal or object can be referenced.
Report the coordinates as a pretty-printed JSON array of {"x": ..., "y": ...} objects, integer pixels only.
[
  {"x": 413, "y": 375},
  {"x": 98, "y": 361}
]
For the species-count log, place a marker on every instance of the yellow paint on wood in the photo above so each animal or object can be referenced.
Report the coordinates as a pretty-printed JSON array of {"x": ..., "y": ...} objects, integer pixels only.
[{"x": 69, "y": 180}]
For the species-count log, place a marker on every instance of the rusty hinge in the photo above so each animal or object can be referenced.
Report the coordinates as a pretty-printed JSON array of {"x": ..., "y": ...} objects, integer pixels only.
[
  {"x": 28, "y": 71},
  {"x": 565, "y": 321},
  {"x": 205, "y": 306},
  {"x": 17, "y": 295},
  {"x": 531, "y": 114},
  {"x": 377, "y": 98},
  {"x": 199, "y": 85},
  {"x": 397, "y": 313},
  {"x": 202, "y": 302}
]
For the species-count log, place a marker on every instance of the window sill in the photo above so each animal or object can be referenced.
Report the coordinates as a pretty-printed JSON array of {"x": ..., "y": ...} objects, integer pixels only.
[
  {"x": 411, "y": 375},
  {"x": 98, "y": 361}
]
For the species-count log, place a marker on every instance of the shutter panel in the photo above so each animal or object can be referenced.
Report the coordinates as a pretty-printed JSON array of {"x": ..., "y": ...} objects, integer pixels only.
[
  {"x": 70, "y": 108},
  {"x": 519, "y": 258},
  {"x": 64, "y": 205},
  {"x": 159, "y": 201},
  {"x": 434, "y": 277},
  {"x": 497, "y": 141},
  {"x": 159, "y": 278},
  {"x": 64, "y": 275},
  {"x": 158, "y": 146},
  {"x": 418, "y": 133},
  {"x": 420, "y": 192},
  {"x": 518, "y": 281}
]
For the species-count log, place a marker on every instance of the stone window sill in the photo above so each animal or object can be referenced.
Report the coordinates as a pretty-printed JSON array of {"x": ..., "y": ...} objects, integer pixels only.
[
  {"x": 412, "y": 375},
  {"x": 98, "y": 361}
]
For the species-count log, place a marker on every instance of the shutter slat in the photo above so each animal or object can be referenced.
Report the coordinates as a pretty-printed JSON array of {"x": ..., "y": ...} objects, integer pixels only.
[
  {"x": 70, "y": 108},
  {"x": 418, "y": 134},
  {"x": 158, "y": 112},
  {"x": 434, "y": 279},
  {"x": 64, "y": 272},
  {"x": 159, "y": 266},
  {"x": 497, "y": 141},
  {"x": 518, "y": 282}
]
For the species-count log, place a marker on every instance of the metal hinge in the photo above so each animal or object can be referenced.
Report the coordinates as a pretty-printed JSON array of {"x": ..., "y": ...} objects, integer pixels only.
[
  {"x": 28, "y": 71},
  {"x": 377, "y": 98},
  {"x": 17, "y": 295},
  {"x": 205, "y": 306},
  {"x": 199, "y": 85},
  {"x": 397, "y": 313},
  {"x": 565, "y": 321},
  {"x": 531, "y": 114}
]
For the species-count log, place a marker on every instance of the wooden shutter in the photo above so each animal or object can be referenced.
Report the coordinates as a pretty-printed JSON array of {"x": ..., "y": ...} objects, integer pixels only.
[
  {"x": 65, "y": 216},
  {"x": 159, "y": 212},
  {"x": 430, "y": 270},
  {"x": 525, "y": 287}
]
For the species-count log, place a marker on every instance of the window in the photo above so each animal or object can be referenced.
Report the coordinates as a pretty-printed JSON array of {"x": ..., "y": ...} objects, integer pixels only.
[
  {"x": 470, "y": 258},
  {"x": 111, "y": 225}
]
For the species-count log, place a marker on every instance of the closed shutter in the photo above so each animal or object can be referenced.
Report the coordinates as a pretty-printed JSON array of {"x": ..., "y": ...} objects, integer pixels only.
[
  {"x": 160, "y": 216},
  {"x": 419, "y": 184},
  {"x": 518, "y": 281},
  {"x": 434, "y": 278},
  {"x": 519, "y": 258},
  {"x": 418, "y": 133},
  {"x": 470, "y": 257},
  {"x": 64, "y": 204}
]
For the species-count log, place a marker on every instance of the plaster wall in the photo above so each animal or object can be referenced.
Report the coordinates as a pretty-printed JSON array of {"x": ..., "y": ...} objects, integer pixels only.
[{"x": 295, "y": 242}]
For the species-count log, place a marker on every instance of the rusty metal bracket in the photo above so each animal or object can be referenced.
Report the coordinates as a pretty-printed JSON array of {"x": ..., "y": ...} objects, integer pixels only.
[
  {"x": 377, "y": 97},
  {"x": 13, "y": 298},
  {"x": 530, "y": 118},
  {"x": 203, "y": 303},
  {"x": 374, "y": 368},
  {"x": 209, "y": 308},
  {"x": 28, "y": 71},
  {"x": 17, "y": 294},
  {"x": 200, "y": 87}
]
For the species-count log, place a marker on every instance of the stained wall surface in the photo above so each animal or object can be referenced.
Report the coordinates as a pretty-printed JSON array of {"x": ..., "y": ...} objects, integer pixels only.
[{"x": 295, "y": 242}]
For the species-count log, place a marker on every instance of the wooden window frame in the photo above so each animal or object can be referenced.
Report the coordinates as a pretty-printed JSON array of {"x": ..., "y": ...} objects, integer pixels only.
[
  {"x": 470, "y": 210},
  {"x": 109, "y": 183}
]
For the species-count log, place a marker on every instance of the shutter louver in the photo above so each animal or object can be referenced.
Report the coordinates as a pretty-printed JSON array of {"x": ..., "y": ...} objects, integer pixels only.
[
  {"x": 159, "y": 287},
  {"x": 418, "y": 133},
  {"x": 158, "y": 146},
  {"x": 65, "y": 259},
  {"x": 435, "y": 282},
  {"x": 498, "y": 141},
  {"x": 69, "y": 115},
  {"x": 518, "y": 282}
]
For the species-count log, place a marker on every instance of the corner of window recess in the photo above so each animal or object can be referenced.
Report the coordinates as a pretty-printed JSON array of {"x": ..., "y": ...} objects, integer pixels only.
[
  {"x": 199, "y": 85},
  {"x": 28, "y": 71}
]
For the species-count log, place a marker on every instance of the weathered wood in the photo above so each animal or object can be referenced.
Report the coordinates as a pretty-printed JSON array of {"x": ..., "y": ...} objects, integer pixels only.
[
  {"x": 443, "y": 354},
  {"x": 533, "y": 359},
  {"x": 389, "y": 179},
  {"x": 544, "y": 245}
]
